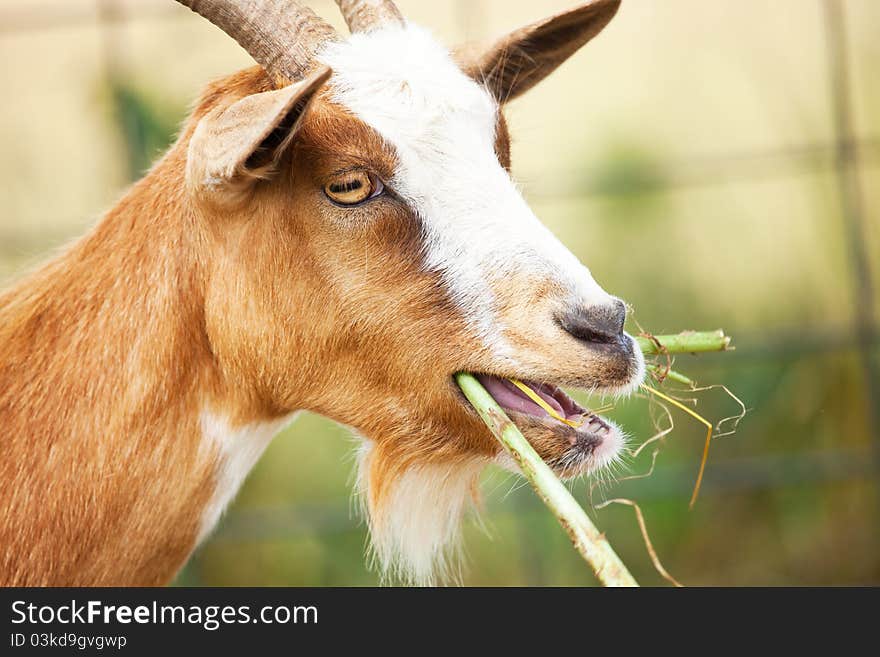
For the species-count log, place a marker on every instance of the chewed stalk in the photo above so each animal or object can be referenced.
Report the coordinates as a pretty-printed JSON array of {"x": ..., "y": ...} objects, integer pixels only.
[{"x": 686, "y": 342}]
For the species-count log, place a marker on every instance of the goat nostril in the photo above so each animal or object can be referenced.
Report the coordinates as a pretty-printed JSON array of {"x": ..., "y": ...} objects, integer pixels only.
[{"x": 597, "y": 323}]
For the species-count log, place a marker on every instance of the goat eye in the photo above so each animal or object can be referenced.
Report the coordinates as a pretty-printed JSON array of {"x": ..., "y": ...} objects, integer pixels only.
[{"x": 353, "y": 187}]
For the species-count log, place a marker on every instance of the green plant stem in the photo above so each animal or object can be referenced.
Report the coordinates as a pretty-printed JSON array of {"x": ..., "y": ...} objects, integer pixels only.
[
  {"x": 588, "y": 541},
  {"x": 686, "y": 342},
  {"x": 671, "y": 375}
]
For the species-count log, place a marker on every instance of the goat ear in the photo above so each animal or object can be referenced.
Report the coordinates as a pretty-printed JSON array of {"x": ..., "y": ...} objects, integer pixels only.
[
  {"x": 243, "y": 142},
  {"x": 516, "y": 62}
]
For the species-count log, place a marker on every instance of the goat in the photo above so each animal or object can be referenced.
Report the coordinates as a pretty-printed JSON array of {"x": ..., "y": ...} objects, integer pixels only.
[{"x": 334, "y": 230}]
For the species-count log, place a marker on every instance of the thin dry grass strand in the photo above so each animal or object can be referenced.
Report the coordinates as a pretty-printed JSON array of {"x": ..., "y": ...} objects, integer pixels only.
[
  {"x": 684, "y": 400},
  {"x": 734, "y": 420},
  {"x": 650, "y": 471},
  {"x": 660, "y": 433},
  {"x": 703, "y": 421},
  {"x": 652, "y": 553}
]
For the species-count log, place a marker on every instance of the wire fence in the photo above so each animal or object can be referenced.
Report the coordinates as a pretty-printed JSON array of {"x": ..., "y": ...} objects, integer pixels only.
[{"x": 846, "y": 155}]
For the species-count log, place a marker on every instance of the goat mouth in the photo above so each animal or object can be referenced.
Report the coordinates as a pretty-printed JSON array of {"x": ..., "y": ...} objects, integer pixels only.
[
  {"x": 512, "y": 398},
  {"x": 572, "y": 440}
]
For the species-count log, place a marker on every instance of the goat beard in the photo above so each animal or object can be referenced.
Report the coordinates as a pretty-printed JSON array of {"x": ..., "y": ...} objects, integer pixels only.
[{"x": 414, "y": 512}]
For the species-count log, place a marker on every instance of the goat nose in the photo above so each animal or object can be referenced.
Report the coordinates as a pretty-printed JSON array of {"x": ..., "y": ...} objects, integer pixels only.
[{"x": 596, "y": 323}]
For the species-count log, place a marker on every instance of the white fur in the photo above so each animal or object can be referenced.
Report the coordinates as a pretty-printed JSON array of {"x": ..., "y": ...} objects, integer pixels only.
[
  {"x": 637, "y": 379},
  {"x": 415, "y": 536},
  {"x": 235, "y": 450},
  {"x": 609, "y": 451},
  {"x": 479, "y": 229}
]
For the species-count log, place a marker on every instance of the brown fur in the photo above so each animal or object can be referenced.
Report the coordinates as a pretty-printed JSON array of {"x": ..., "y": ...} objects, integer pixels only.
[
  {"x": 101, "y": 360},
  {"x": 168, "y": 306}
]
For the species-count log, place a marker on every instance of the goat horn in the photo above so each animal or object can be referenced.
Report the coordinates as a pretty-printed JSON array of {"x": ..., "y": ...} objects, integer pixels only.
[
  {"x": 281, "y": 35},
  {"x": 366, "y": 15}
]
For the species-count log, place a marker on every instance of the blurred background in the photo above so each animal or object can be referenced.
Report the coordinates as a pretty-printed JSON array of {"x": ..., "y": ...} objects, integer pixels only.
[{"x": 716, "y": 164}]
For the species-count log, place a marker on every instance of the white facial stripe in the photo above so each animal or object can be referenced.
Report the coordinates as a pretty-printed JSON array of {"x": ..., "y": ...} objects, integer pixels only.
[{"x": 406, "y": 86}]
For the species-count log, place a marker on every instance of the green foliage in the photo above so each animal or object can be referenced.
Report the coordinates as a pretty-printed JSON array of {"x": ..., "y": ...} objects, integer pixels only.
[
  {"x": 628, "y": 172},
  {"x": 146, "y": 124}
]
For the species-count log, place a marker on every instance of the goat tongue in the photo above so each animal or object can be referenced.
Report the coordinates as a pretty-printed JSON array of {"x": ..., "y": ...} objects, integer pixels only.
[{"x": 512, "y": 398}]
